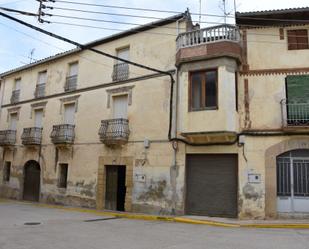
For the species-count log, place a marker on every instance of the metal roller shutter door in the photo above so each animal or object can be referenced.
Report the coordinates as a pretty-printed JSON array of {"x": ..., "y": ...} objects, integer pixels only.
[{"x": 211, "y": 185}]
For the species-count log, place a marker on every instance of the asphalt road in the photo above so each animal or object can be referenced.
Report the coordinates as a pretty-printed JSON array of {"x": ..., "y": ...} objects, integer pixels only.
[{"x": 62, "y": 229}]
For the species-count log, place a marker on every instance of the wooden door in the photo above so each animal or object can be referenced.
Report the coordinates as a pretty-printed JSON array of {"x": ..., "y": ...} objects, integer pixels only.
[
  {"x": 32, "y": 181},
  {"x": 111, "y": 188},
  {"x": 120, "y": 106}
]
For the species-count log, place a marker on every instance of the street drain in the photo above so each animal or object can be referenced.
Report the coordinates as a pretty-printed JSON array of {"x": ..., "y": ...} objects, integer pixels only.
[
  {"x": 32, "y": 223},
  {"x": 102, "y": 219}
]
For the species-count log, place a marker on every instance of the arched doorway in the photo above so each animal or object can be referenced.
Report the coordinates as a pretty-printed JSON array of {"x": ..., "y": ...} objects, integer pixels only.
[
  {"x": 293, "y": 181},
  {"x": 32, "y": 181}
]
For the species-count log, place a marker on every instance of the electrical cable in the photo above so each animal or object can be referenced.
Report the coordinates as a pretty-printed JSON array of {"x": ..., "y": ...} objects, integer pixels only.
[{"x": 138, "y": 9}]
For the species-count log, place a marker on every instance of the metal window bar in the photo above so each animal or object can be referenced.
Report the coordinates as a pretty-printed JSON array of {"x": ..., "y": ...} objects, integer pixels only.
[
  {"x": 31, "y": 136},
  {"x": 283, "y": 177},
  {"x": 114, "y": 131},
  {"x": 70, "y": 83},
  {"x": 63, "y": 134},
  {"x": 295, "y": 113},
  {"x": 40, "y": 90},
  {"x": 301, "y": 183},
  {"x": 120, "y": 72},
  {"x": 7, "y": 137},
  {"x": 207, "y": 35},
  {"x": 15, "y": 96}
]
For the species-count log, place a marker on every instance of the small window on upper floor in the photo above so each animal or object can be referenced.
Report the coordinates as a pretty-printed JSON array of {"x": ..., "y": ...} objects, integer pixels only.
[
  {"x": 16, "y": 91},
  {"x": 121, "y": 69},
  {"x": 203, "y": 93},
  {"x": 298, "y": 39},
  {"x": 41, "y": 84},
  {"x": 71, "y": 80}
]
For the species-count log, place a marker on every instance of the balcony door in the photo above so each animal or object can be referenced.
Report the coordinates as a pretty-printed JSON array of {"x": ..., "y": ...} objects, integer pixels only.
[
  {"x": 13, "y": 121},
  {"x": 69, "y": 113},
  {"x": 120, "y": 106},
  {"x": 38, "y": 118}
]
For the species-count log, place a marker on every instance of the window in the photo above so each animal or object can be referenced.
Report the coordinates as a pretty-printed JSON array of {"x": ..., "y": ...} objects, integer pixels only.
[
  {"x": 203, "y": 90},
  {"x": 6, "y": 171},
  {"x": 69, "y": 113},
  {"x": 120, "y": 106},
  {"x": 71, "y": 80},
  {"x": 63, "y": 175},
  {"x": 16, "y": 91},
  {"x": 38, "y": 118},
  {"x": 297, "y": 94},
  {"x": 40, "y": 87},
  {"x": 13, "y": 121},
  {"x": 297, "y": 39},
  {"x": 121, "y": 69}
]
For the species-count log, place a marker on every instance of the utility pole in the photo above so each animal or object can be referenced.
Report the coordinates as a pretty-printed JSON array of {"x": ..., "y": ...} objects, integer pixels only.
[
  {"x": 224, "y": 10},
  {"x": 200, "y": 16}
]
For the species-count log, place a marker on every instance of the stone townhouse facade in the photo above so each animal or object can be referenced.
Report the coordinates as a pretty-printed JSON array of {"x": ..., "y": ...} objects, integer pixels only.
[{"x": 228, "y": 138}]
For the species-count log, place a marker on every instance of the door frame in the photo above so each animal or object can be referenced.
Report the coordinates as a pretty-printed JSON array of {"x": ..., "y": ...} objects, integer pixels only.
[{"x": 128, "y": 162}]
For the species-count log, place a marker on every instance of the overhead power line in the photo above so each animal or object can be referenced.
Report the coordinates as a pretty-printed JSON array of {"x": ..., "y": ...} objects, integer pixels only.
[
  {"x": 85, "y": 46},
  {"x": 108, "y": 21},
  {"x": 18, "y": 11},
  {"x": 116, "y": 22},
  {"x": 112, "y": 29},
  {"x": 114, "y": 14},
  {"x": 132, "y": 8}
]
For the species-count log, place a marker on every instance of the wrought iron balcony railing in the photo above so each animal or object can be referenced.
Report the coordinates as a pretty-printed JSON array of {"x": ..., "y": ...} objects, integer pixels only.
[
  {"x": 63, "y": 134},
  {"x": 223, "y": 32},
  {"x": 114, "y": 131},
  {"x": 31, "y": 136},
  {"x": 39, "y": 90},
  {"x": 120, "y": 72},
  {"x": 70, "y": 83},
  {"x": 295, "y": 113},
  {"x": 7, "y": 137},
  {"x": 15, "y": 96}
]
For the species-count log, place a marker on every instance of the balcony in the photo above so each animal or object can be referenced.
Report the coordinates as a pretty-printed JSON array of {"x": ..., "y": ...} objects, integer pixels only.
[
  {"x": 212, "y": 42},
  {"x": 32, "y": 136},
  {"x": 63, "y": 134},
  {"x": 295, "y": 114},
  {"x": 7, "y": 137},
  {"x": 114, "y": 131},
  {"x": 70, "y": 83},
  {"x": 15, "y": 96},
  {"x": 120, "y": 72},
  {"x": 39, "y": 91}
]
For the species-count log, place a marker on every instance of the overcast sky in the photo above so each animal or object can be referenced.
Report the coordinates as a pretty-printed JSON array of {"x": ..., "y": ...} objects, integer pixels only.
[{"x": 17, "y": 42}]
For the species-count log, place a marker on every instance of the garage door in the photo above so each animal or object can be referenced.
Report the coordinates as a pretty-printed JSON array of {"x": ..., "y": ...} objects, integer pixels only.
[{"x": 211, "y": 185}]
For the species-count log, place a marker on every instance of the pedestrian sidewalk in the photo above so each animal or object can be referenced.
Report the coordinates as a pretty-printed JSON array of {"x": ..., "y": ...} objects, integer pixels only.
[{"x": 190, "y": 219}]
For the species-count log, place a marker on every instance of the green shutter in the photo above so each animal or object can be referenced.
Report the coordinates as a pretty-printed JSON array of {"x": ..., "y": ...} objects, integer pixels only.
[{"x": 297, "y": 88}]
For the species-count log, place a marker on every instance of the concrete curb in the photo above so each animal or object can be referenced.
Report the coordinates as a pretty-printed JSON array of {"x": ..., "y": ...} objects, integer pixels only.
[{"x": 165, "y": 218}]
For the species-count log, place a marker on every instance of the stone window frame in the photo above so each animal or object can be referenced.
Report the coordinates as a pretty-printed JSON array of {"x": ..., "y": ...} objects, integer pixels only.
[
  {"x": 125, "y": 90},
  {"x": 38, "y": 106},
  {"x": 12, "y": 111},
  {"x": 67, "y": 101}
]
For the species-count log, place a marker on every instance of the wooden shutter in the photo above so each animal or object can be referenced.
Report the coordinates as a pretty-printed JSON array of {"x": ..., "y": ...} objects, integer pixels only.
[
  {"x": 292, "y": 40},
  {"x": 302, "y": 38},
  {"x": 298, "y": 39}
]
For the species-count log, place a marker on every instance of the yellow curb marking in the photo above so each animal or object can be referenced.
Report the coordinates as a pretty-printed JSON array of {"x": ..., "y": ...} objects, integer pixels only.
[{"x": 162, "y": 218}]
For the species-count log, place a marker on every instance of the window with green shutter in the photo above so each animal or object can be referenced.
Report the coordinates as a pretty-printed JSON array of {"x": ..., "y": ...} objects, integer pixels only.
[{"x": 297, "y": 93}]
